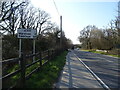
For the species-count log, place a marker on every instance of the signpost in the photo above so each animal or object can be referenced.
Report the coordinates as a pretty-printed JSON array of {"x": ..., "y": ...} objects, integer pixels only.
[{"x": 26, "y": 34}]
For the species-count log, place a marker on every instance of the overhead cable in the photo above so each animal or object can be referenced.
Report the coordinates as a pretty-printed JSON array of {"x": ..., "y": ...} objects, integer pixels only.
[{"x": 56, "y": 7}]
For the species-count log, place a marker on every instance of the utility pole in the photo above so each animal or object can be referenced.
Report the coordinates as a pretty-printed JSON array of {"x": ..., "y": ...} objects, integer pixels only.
[
  {"x": 119, "y": 14},
  {"x": 118, "y": 22},
  {"x": 61, "y": 31}
]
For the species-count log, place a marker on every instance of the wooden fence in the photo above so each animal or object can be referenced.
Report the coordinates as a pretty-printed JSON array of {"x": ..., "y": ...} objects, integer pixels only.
[{"x": 41, "y": 59}]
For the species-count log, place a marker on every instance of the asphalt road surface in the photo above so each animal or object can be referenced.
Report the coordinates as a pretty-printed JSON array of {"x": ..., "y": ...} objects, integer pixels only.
[
  {"x": 105, "y": 67},
  {"x": 76, "y": 75}
]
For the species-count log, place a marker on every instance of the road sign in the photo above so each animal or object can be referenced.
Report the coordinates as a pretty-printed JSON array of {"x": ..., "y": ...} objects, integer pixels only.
[{"x": 27, "y": 33}]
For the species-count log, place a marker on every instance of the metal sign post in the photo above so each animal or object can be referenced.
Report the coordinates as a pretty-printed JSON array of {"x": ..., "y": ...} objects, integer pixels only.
[
  {"x": 20, "y": 47},
  {"x": 33, "y": 49}
]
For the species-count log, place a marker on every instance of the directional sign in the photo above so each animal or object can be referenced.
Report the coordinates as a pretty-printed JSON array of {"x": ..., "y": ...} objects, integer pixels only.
[{"x": 27, "y": 33}]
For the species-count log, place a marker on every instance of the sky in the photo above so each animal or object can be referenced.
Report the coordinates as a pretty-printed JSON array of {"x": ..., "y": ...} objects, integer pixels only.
[{"x": 77, "y": 14}]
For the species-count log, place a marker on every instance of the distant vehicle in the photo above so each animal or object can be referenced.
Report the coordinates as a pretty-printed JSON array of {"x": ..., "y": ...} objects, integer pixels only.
[
  {"x": 78, "y": 48},
  {"x": 69, "y": 50}
]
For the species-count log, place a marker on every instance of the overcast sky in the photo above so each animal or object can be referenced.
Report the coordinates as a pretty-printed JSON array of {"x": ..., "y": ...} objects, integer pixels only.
[{"x": 77, "y": 14}]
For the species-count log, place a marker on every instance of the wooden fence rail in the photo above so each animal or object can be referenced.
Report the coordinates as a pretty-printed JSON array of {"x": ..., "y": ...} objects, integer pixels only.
[{"x": 46, "y": 55}]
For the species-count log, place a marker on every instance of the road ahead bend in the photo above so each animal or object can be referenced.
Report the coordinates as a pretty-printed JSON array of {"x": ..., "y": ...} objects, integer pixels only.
[{"x": 105, "y": 67}]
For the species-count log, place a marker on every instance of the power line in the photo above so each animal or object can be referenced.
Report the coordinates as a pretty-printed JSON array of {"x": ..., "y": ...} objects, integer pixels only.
[{"x": 56, "y": 7}]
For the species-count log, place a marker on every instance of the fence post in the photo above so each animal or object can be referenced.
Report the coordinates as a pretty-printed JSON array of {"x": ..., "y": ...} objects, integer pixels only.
[
  {"x": 40, "y": 57},
  {"x": 22, "y": 64}
]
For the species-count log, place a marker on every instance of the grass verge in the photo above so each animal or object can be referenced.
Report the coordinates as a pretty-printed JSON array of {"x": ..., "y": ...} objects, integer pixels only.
[
  {"x": 100, "y": 52},
  {"x": 49, "y": 73}
]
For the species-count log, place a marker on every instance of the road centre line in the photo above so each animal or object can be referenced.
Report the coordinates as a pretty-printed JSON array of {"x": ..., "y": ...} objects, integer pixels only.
[
  {"x": 98, "y": 79},
  {"x": 104, "y": 59}
]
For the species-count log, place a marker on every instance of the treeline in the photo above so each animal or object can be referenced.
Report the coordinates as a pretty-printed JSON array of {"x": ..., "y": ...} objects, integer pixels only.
[
  {"x": 92, "y": 37},
  {"x": 19, "y": 14}
]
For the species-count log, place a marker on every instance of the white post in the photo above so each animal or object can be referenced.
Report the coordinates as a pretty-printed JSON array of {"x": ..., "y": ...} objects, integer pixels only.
[
  {"x": 34, "y": 49},
  {"x": 0, "y": 62},
  {"x": 20, "y": 47}
]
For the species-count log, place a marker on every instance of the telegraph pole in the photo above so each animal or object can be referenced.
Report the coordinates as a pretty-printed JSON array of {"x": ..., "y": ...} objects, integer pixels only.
[
  {"x": 61, "y": 31},
  {"x": 119, "y": 14}
]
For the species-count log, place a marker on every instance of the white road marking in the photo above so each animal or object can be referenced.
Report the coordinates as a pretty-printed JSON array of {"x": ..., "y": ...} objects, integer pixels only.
[
  {"x": 105, "y": 59},
  {"x": 99, "y": 80},
  {"x": 109, "y": 61}
]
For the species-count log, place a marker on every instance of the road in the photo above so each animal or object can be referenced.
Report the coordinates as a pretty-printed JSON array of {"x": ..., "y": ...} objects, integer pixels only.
[
  {"x": 75, "y": 75},
  {"x": 105, "y": 67}
]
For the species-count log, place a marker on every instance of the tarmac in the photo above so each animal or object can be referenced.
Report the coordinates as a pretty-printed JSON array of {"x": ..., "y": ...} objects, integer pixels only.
[{"x": 76, "y": 75}]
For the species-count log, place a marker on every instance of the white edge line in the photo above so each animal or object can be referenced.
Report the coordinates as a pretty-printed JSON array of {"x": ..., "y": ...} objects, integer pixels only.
[{"x": 100, "y": 81}]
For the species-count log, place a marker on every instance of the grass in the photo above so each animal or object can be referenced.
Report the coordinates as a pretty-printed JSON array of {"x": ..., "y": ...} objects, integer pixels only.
[
  {"x": 45, "y": 77},
  {"x": 100, "y": 52},
  {"x": 29, "y": 69},
  {"x": 13, "y": 68},
  {"x": 49, "y": 73}
]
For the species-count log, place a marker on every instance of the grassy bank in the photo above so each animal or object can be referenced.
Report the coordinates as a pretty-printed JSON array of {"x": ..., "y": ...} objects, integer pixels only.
[
  {"x": 48, "y": 74},
  {"x": 101, "y": 52}
]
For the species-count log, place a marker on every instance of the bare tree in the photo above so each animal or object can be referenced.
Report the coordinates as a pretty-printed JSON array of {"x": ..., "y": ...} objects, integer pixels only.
[
  {"x": 28, "y": 17},
  {"x": 9, "y": 17},
  {"x": 42, "y": 21}
]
